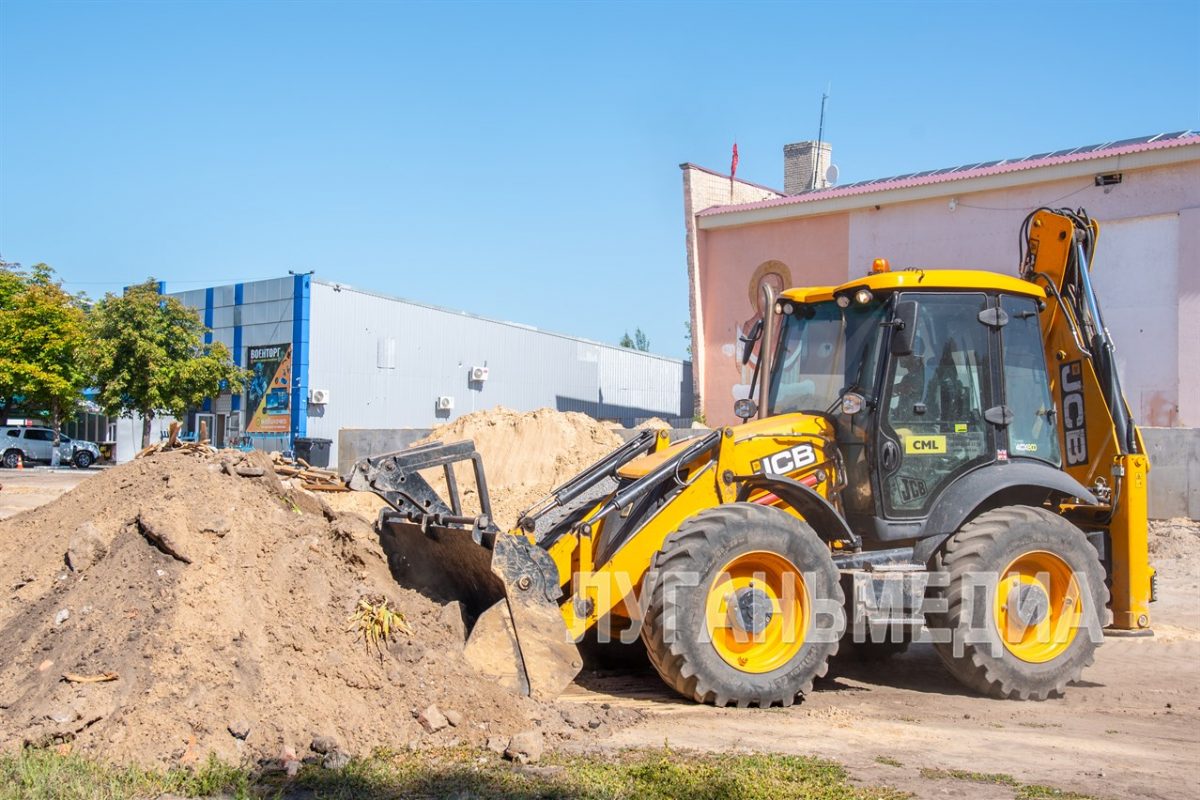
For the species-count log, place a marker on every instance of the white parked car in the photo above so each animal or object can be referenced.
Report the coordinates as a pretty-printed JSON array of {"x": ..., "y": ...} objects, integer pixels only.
[{"x": 37, "y": 444}]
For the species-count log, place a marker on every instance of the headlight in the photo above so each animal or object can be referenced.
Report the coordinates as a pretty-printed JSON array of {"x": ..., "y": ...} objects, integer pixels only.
[
  {"x": 863, "y": 296},
  {"x": 843, "y": 301}
]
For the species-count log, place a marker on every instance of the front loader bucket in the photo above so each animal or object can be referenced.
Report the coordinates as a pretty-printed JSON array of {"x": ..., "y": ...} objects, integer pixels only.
[
  {"x": 522, "y": 641},
  {"x": 518, "y": 637},
  {"x": 508, "y": 586},
  {"x": 443, "y": 563}
]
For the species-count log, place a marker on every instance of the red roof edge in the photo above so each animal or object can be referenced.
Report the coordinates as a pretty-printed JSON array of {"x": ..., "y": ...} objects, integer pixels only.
[{"x": 926, "y": 178}]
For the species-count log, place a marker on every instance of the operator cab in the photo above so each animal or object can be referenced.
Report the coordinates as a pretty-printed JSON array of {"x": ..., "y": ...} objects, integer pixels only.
[{"x": 927, "y": 375}]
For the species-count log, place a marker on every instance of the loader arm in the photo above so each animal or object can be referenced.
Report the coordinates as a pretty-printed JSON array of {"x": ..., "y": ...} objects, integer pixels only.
[{"x": 1101, "y": 443}]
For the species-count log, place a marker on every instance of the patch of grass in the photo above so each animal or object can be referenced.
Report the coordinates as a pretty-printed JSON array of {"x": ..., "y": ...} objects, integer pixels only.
[
  {"x": 1024, "y": 791},
  {"x": 36, "y": 774},
  {"x": 999, "y": 778},
  {"x": 1040, "y": 724},
  {"x": 888, "y": 761},
  {"x": 656, "y": 774},
  {"x": 1035, "y": 791}
]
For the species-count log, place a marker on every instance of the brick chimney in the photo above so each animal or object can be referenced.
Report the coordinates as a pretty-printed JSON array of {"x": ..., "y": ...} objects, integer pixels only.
[{"x": 798, "y": 161}]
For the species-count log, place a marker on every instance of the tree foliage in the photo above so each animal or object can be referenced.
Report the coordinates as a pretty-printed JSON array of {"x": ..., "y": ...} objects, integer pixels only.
[
  {"x": 147, "y": 356},
  {"x": 41, "y": 335},
  {"x": 639, "y": 341}
]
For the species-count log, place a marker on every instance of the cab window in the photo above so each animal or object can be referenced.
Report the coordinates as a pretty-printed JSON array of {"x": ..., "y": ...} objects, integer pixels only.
[
  {"x": 935, "y": 403},
  {"x": 1033, "y": 432}
]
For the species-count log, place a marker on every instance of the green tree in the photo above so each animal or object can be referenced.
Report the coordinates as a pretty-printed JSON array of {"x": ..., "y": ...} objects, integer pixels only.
[
  {"x": 639, "y": 341},
  {"x": 41, "y": 335},
  {"x": 147, "y": 356}
]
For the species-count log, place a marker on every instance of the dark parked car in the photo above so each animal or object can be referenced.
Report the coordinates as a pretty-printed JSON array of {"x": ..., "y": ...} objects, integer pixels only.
[{"x": 37, "y": 444}]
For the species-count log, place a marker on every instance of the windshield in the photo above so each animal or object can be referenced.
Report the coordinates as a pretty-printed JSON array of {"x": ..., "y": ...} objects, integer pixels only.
[{"x": 824, "y": 351}]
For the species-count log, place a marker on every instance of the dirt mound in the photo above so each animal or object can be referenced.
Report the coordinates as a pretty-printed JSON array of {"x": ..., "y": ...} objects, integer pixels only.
[
  {"x": 221, "y": 601},
  {"x": 525, "y": 455}
]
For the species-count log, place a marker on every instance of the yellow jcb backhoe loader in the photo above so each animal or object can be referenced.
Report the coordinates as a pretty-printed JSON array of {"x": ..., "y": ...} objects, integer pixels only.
[{"x": 943, "y": 454}]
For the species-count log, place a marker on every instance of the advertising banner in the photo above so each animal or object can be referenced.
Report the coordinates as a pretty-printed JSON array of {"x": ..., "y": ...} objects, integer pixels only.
[{"x": 269, "y": 390}]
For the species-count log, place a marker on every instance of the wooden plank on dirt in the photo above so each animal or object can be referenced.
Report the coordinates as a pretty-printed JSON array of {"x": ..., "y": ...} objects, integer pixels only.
[{"x": 325, "y": 487}]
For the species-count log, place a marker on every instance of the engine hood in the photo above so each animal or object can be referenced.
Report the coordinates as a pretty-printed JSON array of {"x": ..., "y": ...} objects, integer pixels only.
[{"x": 785, "y": 426}]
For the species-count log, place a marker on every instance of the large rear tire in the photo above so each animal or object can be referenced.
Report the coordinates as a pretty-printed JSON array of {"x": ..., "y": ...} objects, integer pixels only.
[
  {"x": 1025, "y": 601},
  {"x": 744, "y": 607}
]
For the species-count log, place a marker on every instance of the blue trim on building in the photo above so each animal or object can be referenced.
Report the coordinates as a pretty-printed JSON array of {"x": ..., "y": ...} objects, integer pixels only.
[
  {"x": 207, "y": 406},
  {"x": 301, "y": 303},
  {"x": 208, "y": 314},
  {"x": 239, "y": 293}
]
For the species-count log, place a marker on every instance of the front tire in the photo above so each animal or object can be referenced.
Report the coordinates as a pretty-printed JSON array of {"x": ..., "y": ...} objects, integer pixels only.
[
  {"x": 740, "y": 601},
  {"x": 11, "y": 458},
  {"x": 1028, "y": 582},
  {"x": 83, "y": 459}
]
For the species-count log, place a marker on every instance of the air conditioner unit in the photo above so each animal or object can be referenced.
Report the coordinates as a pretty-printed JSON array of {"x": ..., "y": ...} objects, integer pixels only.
[
  {"x": 479, "y": 374},
  {"x": 445, "y": 403},
  {"x": 318, "y": 397}
]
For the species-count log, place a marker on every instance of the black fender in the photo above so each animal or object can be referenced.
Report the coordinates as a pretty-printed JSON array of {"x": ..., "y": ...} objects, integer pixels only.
[
  {"x": 1021, "y": 482},
  {"x": 815, "y": 509}
]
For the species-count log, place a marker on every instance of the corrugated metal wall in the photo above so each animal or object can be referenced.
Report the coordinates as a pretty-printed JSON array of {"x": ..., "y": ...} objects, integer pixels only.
[{"x": 386, "y": 361}]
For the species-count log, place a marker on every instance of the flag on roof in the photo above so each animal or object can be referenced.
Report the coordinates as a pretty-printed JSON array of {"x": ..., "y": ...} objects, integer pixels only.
[{"x": 732, "y": 170}]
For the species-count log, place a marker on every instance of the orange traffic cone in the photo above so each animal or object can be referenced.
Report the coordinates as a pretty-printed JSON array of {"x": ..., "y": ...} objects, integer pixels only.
[{"x": 20, "y": 462}]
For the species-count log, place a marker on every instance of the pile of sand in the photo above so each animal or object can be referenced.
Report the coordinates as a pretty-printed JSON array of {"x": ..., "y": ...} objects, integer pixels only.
[
  {"x": 221, "y": 602},
  {"x": 525, "y": 455}
]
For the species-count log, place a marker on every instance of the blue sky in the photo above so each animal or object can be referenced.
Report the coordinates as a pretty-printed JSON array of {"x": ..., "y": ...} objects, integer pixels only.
[{"x": 517, "y": 160}]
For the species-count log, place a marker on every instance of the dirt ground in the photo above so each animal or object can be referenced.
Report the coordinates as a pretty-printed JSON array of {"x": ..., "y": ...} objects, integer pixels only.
[
  {"x": 22, "y": 490},
  {"x": 1131, "y": 729}
]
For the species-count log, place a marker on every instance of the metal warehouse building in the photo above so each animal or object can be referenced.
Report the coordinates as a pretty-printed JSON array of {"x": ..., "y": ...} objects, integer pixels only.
[{"x": 325, "y": 357}]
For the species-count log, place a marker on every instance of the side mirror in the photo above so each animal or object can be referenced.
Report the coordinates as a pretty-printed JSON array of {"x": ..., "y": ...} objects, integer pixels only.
[
  {"x": 904, "y": 327},
  {"x": 745, "y": 408},
  {"x": 749, "y": 339}
]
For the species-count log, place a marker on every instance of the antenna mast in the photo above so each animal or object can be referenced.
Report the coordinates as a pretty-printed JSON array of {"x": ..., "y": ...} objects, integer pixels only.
[{"x": 820, "y": 133}]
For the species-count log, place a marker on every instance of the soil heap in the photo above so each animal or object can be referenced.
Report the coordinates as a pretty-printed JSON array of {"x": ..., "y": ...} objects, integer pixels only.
[{"x": 221, "y": 600}]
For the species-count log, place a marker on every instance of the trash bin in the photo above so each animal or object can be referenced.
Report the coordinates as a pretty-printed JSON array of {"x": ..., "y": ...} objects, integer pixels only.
[{"x": 314, "y": 451}]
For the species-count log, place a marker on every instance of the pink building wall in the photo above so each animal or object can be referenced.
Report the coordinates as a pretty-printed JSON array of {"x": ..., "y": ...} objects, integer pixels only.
[{"x": 1146, "y": 272}]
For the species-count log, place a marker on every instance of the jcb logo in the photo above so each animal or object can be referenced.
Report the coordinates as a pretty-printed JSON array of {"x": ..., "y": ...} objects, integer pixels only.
[
  {"x": 786, "y": 461},
  {"x": 1074, "y": 425}
]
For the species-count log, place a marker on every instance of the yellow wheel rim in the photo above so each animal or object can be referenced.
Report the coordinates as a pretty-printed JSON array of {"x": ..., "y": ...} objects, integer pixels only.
[
  {"x": 758, "y": 611},
  {"x": 1038, "y": 606}
]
